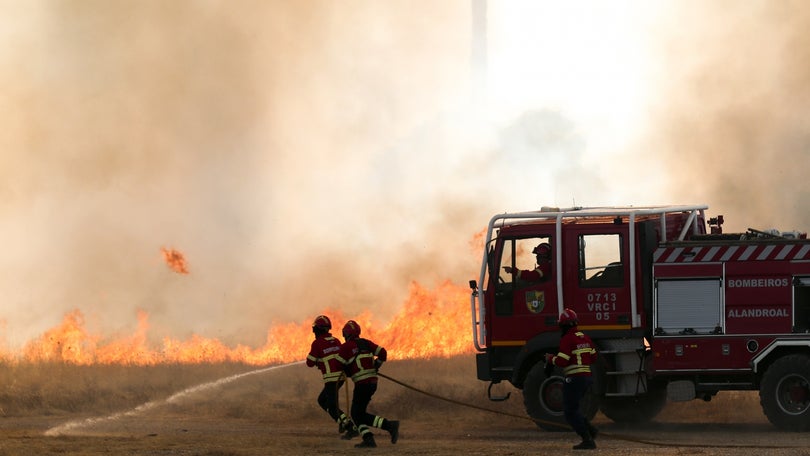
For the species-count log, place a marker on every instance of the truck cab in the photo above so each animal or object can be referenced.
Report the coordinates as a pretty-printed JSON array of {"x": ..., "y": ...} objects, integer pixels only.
[{"x": 597, "y": 255}]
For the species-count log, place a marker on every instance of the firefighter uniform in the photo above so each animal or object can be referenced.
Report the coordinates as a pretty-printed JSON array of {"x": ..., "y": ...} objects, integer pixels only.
[
  {"x": 361, "y": 358},
  {"x": 576, "y": 355},
  {"x": 539, "y": 273},
  {"x": 543, "y": 269},
  {"x": 323, "y": 354}
]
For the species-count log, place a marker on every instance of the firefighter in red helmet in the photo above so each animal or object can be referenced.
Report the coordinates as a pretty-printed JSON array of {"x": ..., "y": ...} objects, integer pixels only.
[
  {"x": 323, "y": 354},
  {"x": 361, "y": 359},
  {"x": 576, "y": 355},
  {"x": 543, "y": 269}
]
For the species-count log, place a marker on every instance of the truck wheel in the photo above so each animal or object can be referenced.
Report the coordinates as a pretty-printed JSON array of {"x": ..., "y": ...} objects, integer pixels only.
[
  {"x": 636, "y": 409},
  {"x": 785, "y": 393},
  {"x": 543, "y": 399}
]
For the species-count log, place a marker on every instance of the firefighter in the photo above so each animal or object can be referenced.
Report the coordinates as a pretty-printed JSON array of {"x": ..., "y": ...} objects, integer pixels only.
[
  {"x": 361, "y": 359},
  {"x": 577, "y": 353},
  {"x": 543, "y": 269},
  {"x": 324, "y": 354}
]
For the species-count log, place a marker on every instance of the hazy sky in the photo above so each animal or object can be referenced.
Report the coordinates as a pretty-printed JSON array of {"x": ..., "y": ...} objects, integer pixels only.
[{"x": 306, "y": 155}]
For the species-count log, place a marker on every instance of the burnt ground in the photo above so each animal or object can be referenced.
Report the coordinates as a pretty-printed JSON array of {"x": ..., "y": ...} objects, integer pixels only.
[{"x": 149, "y": 411}]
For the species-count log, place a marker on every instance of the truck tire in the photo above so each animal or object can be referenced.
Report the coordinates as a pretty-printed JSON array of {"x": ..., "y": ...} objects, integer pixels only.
[
  {"x": 636, "y": 409},
  {"x": 784, "y": 393},
  {"x": 542, "y": 397}
]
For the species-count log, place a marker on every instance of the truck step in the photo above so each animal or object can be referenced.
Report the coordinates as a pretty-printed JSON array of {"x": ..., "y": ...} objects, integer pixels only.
[
  {"x": 727, "y": 386},
  {"x": 630, "y": 372},
  {"x": 611, "y": 352},
  {"x": 620, "y": 394}
]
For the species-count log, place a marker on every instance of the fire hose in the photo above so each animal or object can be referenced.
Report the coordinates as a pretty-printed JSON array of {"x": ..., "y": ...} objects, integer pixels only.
[{"x": 565, "y": 426}]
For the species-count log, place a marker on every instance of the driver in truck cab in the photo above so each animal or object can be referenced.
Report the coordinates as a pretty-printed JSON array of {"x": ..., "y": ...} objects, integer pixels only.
[{"x": 539, "y": 273}]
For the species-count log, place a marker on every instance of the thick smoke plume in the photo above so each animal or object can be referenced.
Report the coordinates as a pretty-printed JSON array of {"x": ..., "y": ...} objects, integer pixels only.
[
  {"x": 732, "y": 126},
  {"x": 312, "y": 154},
  {"x": 282, "y": 147}
]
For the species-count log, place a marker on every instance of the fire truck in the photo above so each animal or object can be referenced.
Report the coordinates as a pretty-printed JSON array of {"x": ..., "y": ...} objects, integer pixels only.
[{"x": 678, "y": 309}]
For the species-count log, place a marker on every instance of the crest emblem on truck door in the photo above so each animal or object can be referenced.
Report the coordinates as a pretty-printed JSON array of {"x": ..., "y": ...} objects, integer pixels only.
[{"x": 535, "y": 301}]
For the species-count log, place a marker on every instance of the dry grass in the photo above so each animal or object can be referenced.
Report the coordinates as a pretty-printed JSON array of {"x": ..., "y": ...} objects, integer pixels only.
[
  {"x": 275, "y": 412},
  {"x": 49, "y": 389},
  {"x": 53, "y": 389}
]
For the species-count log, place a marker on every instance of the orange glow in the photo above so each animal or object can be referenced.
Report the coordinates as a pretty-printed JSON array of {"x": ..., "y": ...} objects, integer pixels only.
[
  {"x": 477, "y": 241},
  {"x": 175, "y": 260},
  {"x": 432, "y": 323}
]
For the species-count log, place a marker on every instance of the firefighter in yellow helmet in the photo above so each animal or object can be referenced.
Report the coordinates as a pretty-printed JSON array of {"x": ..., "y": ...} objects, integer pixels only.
[
  {"x": 361, "y": 359},
  {"x": 577, "y": 353}
]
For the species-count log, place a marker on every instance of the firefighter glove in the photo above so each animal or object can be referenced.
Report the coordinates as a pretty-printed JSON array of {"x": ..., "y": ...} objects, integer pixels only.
[{"x": 377, "y": 364}]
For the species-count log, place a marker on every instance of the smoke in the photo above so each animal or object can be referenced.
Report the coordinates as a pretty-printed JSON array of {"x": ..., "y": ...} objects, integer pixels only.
[
  {"x": 733, "y": 128},
  {"x": 283, "y": 147},
  {"x": 312, "y": 155}
]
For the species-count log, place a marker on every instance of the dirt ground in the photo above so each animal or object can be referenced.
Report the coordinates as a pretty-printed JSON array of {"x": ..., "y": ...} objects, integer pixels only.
[{"x": 234, "y": 410}]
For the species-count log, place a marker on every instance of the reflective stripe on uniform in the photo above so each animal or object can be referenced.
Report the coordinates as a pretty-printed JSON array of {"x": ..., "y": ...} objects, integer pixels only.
[
  {"x": 577, "y": 367},
  {"x": 579, "y": 352},
  {"x": 574, "y": 363},
  {"x": 328, "y": 374},
  {"x": 362, "y": 373}
]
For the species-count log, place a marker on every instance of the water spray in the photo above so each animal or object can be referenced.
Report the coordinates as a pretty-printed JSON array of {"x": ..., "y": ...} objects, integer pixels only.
[{"x": 65, "y": 428}]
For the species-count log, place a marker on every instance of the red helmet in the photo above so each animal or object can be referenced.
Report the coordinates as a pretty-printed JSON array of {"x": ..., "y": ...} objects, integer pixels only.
[
  {"x": 543, "y": 249},
  {"x": 568, "y": 318},
  {"x": 351, "y": 330},
  {"x": 322, "y": 322}
]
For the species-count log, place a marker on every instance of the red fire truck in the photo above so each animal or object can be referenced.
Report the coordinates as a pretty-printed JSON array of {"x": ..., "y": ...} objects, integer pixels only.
[{"x": 679, "y": 310}]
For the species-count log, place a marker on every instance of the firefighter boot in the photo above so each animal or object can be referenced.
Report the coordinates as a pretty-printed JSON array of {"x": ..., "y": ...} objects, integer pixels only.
[
  {"x": 351, "y": 431},
  {"x": 587, "y": 442},
  {"x": 393, "y": 429},
  {"x": 368, "y": 441}
]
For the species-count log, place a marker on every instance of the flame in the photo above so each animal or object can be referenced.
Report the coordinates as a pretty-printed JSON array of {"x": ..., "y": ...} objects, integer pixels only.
[
  {"x": 68, "y": 342},
  {"x": 175, "y": 260},
  {"x": 432, "y": 323}
]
